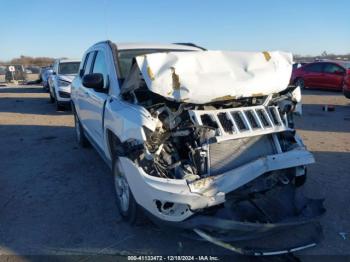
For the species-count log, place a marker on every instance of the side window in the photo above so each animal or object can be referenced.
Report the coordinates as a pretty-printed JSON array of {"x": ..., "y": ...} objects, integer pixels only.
[
  {"x": 83, "y": 64},
  {"x": 315, "y": 68},
  {"x": 88, "y": 63},
  {"x": 55, "y": 67},
  {"x": 100, "y": 66},
  {"x": 333, "y": 68}
]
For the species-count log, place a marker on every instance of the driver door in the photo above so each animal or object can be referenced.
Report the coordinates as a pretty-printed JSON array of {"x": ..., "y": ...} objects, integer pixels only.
[{"x": 95, "y": 100}]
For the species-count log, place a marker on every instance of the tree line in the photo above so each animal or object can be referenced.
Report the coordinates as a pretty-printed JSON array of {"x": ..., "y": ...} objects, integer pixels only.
[
  {"x": 324, "y": 55},
  {"x": 29, "y": 60}
]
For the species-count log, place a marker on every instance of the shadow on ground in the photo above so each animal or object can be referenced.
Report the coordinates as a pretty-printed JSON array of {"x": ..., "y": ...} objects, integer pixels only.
[
  {"x": 28, "y": 100},
  {"x": 315, "y": 119},
  {"x": 22, "y": 90},
  {"x": 59, "y": 198}
]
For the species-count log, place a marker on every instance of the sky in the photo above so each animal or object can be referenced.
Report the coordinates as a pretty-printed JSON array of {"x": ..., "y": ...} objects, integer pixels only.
[{"x": 66, "y": 28}]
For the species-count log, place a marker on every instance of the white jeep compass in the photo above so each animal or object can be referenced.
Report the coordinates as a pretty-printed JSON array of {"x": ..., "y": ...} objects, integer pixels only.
[{"x": 200, "y": 140}]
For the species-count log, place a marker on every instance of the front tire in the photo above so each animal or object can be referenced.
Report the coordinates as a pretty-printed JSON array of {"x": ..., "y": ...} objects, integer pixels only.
[
  {"x": 46, "y": 88},
  {"x": 128, "y": 208},
  {"x": 300, "y": 180},
  {"x": 59, "y": 106},
  {"x": 52, "y": 99},
  {"x": 346, "y": 94}
]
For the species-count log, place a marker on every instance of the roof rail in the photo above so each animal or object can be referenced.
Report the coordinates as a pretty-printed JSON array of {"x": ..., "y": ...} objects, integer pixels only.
[{"x": 191, "y": 44}]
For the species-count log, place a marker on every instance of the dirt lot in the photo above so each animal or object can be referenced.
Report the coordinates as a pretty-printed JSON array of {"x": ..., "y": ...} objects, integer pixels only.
[{"x": 56, "y": 198}]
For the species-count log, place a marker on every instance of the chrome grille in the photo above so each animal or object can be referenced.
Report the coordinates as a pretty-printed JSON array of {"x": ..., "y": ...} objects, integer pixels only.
[{"x": 240, "y": 122}]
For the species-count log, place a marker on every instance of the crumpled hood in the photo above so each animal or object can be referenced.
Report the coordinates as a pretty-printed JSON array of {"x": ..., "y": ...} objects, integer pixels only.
[
  {"x": 68, "y": 78},
  {"x": 203, "y": 77}
]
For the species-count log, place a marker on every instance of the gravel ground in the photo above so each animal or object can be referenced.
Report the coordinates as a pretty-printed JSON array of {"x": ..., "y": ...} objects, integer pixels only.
[{"x": 56, "y": 198}]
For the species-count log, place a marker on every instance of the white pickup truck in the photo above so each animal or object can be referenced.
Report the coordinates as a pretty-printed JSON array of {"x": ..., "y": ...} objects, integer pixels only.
[{"x": 200, "y": 140}]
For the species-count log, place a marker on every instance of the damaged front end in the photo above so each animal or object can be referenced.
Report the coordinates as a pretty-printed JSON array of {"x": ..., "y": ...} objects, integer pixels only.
[{"x": 228, "y": 168}]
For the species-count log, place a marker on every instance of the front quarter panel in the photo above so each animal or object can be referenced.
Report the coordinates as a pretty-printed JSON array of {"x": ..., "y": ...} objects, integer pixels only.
[{"x": 126, "y": 120}]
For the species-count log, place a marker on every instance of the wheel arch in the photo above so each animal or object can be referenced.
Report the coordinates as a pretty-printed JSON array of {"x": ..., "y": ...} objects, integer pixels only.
[
  {"x": 296, "y": 79},
  {"x": 112, "y": 141}
]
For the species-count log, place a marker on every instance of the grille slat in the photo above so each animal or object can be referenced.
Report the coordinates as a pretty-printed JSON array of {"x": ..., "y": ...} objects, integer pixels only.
[
  {"x": 273, "y": 113},
  {"x": 239, "y": 119},
  {"x": 264, "y": 118},
  {"x": 208, "y": 120},
  {"x": 251, "y": 118},
  {"x": 226, "y": 123}
]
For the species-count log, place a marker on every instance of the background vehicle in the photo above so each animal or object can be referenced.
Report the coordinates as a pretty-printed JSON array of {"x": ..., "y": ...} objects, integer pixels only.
[
  {"x": 19, "y": 74},
  {"x": 44, "y": 76},
  {"x": 185, "y": 151},
  {"x": 2, "y": 70},
  {"x": 32, "y": 70},
  {"x": 346, "y": 86},
  {"x": 64, "y": 71},
  {"x": 328, "y": 75}
]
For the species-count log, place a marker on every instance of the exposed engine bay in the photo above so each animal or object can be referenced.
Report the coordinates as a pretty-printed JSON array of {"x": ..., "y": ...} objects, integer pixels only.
[
  {"x": 235, "y": 159},
  {"x": 196, "y": 141}
]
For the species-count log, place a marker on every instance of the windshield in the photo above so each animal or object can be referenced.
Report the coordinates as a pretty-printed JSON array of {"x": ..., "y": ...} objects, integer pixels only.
[
  {"x": 68, "y": 68},
  {"x": 125, "y": 57}
]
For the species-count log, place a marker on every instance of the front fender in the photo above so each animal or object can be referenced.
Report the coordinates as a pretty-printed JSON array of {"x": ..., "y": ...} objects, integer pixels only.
[{"x": 126, "y": 120}]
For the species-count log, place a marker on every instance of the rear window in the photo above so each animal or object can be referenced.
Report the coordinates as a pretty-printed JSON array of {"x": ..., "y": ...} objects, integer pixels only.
[{"x": 68, "y": 68}]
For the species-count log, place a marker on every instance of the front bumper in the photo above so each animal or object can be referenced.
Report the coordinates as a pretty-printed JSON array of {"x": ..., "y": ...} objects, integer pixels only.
[
  {"x": 205, "y": 192},
  {"x": 283, "y": 221},
  {"x": 63, "y": 94},
  {"x": 276, "y": 221}
]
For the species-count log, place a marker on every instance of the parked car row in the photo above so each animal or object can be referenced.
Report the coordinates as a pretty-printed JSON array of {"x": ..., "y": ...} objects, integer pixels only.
[{"x": 194, "y": 139}]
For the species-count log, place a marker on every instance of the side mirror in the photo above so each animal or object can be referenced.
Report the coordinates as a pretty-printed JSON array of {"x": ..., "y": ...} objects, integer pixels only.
[{"x": 94, "y": 81}]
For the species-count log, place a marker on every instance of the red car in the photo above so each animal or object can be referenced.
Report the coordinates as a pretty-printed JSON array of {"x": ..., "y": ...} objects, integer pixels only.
[
  {"x": 346, "y": 86},
  {"x": 324, "y": 75}
]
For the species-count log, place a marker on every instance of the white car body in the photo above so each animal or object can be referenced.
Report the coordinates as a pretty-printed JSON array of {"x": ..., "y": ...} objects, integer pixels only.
[
  {"x": 111, "y": 116},
  {"x": 60, "y": 82}
]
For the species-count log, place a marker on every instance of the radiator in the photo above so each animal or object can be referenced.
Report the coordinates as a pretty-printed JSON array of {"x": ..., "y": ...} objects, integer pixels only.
[{"x": 230, "y": 154}]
